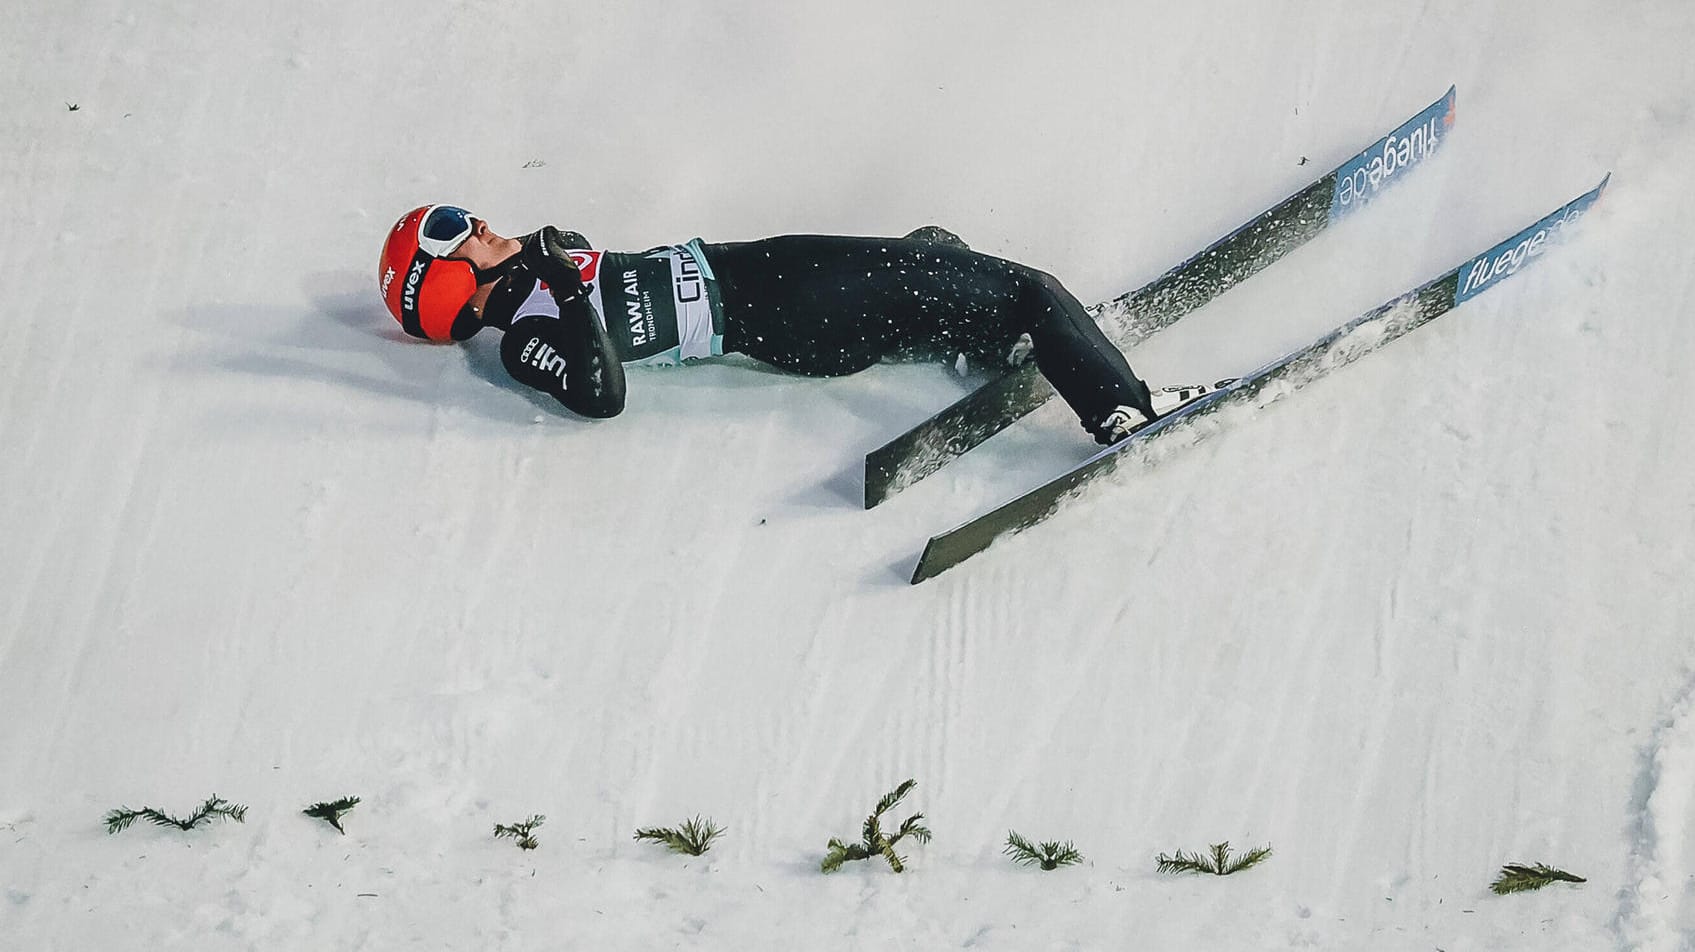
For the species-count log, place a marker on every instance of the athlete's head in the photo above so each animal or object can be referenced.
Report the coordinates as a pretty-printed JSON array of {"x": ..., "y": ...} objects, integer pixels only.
[{"x": 433, "y": 262}]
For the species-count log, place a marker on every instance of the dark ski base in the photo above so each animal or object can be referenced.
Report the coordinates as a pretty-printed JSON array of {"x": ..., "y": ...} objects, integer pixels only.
[
  {"x": 1139, "y": 314},
  {"x": 1336, "y": 349}
]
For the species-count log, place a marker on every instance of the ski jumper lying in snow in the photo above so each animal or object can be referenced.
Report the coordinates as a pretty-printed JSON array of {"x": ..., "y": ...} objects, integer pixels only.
[{"x": 818, "y": 305}]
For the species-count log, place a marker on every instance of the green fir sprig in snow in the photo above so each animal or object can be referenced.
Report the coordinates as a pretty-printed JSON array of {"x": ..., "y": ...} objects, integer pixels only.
[
  {"x": 331, "y": 811},
  {"x": 873, "y": 841},
  {"x": 1049, "y": 855},
  {"x": 1216, "y": 860},
  {"x": 215, "y": 806},
  {"x": 694, "y": 837},
  {"x": 1517, "y": 877},
  {"x": 523, "y": 832}
]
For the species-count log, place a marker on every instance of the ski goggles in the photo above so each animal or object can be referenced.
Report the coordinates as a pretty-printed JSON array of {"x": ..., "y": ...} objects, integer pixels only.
[{"x": 443, "y": 230}]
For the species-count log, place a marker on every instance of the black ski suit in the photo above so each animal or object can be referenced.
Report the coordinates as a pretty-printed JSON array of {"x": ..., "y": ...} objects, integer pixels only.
[{"x": 831, "y": 305}]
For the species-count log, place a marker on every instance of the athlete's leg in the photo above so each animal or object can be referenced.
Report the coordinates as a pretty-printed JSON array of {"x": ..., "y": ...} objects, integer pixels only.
[
  {"x": 822, "y": 305},
  {"x": 1089, "y": 371},
  {"x": 826, "y": 305}
]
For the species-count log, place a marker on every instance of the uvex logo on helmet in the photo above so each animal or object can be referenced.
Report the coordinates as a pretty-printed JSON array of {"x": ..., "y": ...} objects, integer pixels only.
[
  {"x": 431, "y": 301},
  {"x": 414, "y": 278}
]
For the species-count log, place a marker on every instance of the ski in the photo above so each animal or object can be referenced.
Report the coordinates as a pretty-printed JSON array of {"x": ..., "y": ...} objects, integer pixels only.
[
  {"x": 1138, "y": 314},
  {"x": 1293, "y": 371}
]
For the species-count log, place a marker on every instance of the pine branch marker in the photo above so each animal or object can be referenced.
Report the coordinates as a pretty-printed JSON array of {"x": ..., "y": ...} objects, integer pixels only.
[
  {"x": 1216, "y": 860},
  {"x": 1050, "y": 855},
  {"x": 694, "y": 837},
  {"x": 1517, "y": 877},
  {"x": 873, "y": 841},
  {"x": 331, "y": 812},
  {"x": 523, "y": 832},
  {"x": 215, "y": 806}
]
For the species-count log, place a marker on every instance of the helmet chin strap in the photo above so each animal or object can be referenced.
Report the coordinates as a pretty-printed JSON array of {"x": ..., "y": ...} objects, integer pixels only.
[
  {"x": 504, "y": 269},
  {"x": 504, "y": 299}
]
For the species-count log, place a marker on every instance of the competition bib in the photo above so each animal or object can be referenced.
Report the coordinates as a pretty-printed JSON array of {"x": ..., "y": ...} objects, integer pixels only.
[{"x": 659, "y": 306}]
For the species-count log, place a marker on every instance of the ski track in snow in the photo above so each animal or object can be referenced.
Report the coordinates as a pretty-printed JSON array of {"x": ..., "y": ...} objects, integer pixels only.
[{"x": 1657, "y": 899}]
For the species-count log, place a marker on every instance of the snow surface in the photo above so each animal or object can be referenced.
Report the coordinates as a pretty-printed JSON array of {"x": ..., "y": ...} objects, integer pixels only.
[{"x": 1431, "y": 615}]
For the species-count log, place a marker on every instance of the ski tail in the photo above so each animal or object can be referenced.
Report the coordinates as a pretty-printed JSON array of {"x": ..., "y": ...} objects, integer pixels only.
[
  {"x": 1342, "y": 346},
  {"x": 1136, "y": 315}
]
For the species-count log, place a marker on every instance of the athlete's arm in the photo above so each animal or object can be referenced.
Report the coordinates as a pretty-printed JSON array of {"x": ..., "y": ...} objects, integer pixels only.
[{"x": 572, "y": 358}]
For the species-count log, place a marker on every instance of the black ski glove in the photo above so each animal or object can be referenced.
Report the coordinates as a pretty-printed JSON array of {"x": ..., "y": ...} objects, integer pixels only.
[
  {"x": 546, "y": 254},
  {"x": 574, "y": 240}
]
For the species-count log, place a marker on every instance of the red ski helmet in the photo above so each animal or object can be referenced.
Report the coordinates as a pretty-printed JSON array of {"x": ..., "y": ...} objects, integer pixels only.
[{"x": 426, "y": 292}]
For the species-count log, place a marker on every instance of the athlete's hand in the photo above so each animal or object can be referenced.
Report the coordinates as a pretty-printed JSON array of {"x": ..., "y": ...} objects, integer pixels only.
[{"x": 547, "y": 255}]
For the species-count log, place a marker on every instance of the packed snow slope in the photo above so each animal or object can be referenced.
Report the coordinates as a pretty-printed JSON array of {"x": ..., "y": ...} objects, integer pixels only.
[{"x": 1431, "y": 615}]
